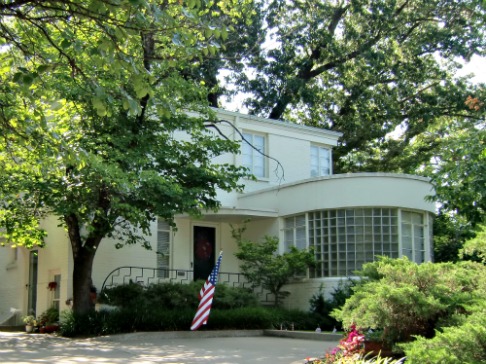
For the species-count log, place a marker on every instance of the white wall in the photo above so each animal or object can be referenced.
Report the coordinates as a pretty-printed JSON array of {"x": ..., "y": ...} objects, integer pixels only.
[
  {"x": 54, "y": 258},
  {"x": 13, "y": 283},
  {"x": 288, "y": 143},
  {"x": 340, "y": 191}
]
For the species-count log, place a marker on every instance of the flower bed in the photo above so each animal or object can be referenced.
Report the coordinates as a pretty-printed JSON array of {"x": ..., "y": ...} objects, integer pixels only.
[{"x": 354, "y": 349}]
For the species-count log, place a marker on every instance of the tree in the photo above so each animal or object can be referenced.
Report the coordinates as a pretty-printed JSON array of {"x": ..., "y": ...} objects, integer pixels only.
[
  {"x": 262, "y": 266},
  {"x": 460, "y": 169},
  {"x": 367, "y": 69},
  {"x": 92, "y": 95},
  {"x": 477, "y": 245},
  {"x": 450, "y": 231}
]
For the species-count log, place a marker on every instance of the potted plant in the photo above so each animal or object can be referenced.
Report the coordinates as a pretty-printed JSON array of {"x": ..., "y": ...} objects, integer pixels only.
[
  {"x": 49, "y": 321},
  {"x": 30, "y": 322}
]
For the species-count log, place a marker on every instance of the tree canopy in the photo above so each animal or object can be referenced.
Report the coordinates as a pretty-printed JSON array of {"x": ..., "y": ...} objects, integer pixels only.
[
  {"x": 92, "y": 99},
  {"x": 382, "y": 72},
  {"x": 386, "y": 74}
]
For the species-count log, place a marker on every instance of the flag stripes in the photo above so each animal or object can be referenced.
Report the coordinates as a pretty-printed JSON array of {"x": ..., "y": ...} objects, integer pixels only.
[{"x": 206, "y": 297}]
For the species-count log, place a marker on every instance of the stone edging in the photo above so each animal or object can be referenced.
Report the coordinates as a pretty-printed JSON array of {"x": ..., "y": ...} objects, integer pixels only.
[{"x": 305, "y": 335}]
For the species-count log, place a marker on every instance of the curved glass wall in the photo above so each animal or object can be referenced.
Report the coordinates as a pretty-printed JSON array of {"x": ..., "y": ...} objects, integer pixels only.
[{"x": 345, "y": 239}]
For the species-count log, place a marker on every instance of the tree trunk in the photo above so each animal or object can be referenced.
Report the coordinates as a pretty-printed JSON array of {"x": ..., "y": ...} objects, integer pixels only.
[
  {"x": 82, "y": 282},
  {"x": 83, "y": 257}
]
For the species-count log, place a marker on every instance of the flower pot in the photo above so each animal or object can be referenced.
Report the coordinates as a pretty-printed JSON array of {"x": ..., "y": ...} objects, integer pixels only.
[{"x": 29, "y": 328}]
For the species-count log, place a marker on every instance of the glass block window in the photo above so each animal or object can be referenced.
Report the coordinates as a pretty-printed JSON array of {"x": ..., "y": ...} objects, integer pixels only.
[
  {"x": 163, "y": 248},
  {"x": 345, "y": 239},
  {"x": 251, "y": 158},
  {"x": 320, "y": 158}
]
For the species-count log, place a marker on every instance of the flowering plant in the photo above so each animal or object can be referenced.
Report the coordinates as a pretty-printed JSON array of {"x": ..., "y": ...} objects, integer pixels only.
[
  {"x": 52, "y": 286},
  {"x": 29, "y": 320},
  {"x": 348, "y": 350}
]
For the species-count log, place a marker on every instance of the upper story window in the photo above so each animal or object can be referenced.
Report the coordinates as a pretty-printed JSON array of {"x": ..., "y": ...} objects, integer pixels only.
[
  {"x": 251, "y": 158},
  {"x": 320, "y": 161}
]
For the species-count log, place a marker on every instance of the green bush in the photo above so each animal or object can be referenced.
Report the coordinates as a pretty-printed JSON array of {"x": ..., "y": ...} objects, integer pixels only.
[
  {"x": 123, "y": 295},
  {"x": 228, "y": 297},
  {"x": 319, "y": 305},
  {"x": 407, "y": 300},
  {"x": 140, "y": 318},
  {"x": 171, "y": 307},
  {"x": 176, "y": 296},
  {"x": 453, "y": 345}
]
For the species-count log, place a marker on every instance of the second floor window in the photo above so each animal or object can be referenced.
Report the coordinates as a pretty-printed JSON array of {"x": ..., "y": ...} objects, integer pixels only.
[
  {"x": 251, "y": 158},
  {"x": 320, "y": 161}
]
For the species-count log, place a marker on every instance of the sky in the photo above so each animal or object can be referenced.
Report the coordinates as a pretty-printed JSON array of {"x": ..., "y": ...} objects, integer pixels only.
[{"x": 477, "y": 65}]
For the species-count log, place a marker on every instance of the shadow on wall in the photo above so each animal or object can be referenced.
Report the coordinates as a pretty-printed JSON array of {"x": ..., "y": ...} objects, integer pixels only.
[{"x": 10, "y": 318}]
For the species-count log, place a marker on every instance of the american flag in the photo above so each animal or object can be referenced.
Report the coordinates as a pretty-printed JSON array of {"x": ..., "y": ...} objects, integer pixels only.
[{"x": 206, "y": 297}]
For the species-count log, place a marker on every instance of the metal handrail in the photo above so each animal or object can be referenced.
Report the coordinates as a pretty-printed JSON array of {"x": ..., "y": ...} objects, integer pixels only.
[{"x": 148, "y": 275}]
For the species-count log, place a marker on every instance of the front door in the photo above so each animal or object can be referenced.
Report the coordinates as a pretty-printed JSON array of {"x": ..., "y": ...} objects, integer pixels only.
[
  {"x": 32, "y": 299},
  {"x": 204, "y": 246}
]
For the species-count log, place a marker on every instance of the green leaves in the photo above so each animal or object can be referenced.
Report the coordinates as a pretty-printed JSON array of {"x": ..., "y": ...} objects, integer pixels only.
[
  {"x": 405, "y": 299},
  {"x": 94, "y": 97},
  {"x": 263, "y": 266}
]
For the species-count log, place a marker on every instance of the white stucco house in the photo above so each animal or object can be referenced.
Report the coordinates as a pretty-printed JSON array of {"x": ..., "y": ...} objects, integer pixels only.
[{"x": 347, "y": 218}]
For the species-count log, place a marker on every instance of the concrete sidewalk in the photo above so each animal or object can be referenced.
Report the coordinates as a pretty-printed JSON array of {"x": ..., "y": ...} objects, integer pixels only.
[{"x": 159, "y": 347}]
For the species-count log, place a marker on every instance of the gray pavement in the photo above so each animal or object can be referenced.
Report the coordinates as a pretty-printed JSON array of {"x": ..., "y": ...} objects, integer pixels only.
[{"x": 158, "y": 347}]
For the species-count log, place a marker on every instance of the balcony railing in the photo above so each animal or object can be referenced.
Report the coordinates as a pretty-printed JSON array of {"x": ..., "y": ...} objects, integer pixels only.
[{"x": 147, "y": 276}]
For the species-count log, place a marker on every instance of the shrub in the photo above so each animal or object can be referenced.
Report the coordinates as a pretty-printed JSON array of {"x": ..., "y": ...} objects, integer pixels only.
[
  {"x": 123, "y": 295},
  {"x": 234, "y": 297},
  {"x": 321, "y": 306},
  {"x": 405, "y": 299},
  {"x": 176, "y": 296},
  {"x": 157, "y": 318},
  {"x": 172, "y": 307},
  {"x": 452, "y": 345}
]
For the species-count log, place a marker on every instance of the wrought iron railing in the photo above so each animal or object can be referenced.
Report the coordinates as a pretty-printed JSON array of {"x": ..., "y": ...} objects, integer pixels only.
[{"x": 146, "y": 276}]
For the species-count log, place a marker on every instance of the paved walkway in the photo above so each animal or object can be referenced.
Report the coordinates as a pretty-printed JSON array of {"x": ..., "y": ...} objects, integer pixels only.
[{"x": 157, "y": 347}]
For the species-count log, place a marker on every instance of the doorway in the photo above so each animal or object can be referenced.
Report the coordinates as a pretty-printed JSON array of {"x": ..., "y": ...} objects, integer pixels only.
[
  {"x": 204, "y": 242},
  {"x": 32, "y": 293}
]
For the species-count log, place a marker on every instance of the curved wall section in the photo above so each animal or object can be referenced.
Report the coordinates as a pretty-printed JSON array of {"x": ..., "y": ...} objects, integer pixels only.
[{"x": 345, "y": 190}]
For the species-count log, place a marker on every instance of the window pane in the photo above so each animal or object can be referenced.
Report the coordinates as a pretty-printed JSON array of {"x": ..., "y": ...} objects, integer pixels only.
[
  {"x": 320, "y": 161},
  {"x": 163, "y": 248},
  {"x": 251, "y": 158}
]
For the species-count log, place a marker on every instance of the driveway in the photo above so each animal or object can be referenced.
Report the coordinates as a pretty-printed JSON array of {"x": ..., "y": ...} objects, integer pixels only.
[{"x": 157, "y": 347}]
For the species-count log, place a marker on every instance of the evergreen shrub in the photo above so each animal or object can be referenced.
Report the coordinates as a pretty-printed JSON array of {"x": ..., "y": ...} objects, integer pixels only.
[
  {"x": 176, "y": 296},
  {"x": 438, "y": 308},
  {"x": 125, "y": 320}
]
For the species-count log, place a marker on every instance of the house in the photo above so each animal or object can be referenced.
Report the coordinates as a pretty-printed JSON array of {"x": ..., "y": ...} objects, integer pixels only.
[{"x": 347, "y": 218}]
